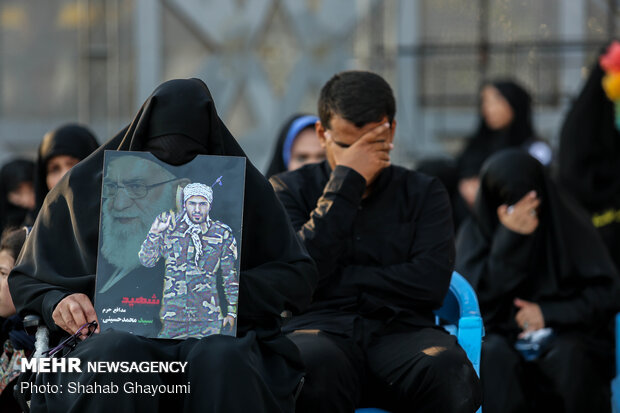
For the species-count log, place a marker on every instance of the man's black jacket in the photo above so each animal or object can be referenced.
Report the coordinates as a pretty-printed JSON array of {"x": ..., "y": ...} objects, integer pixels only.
[{"x": 389, "y": 255}]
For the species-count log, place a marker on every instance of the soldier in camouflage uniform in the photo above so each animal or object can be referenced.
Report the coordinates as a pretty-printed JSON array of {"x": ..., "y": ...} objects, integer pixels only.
[{"x": 199, "y": 254}]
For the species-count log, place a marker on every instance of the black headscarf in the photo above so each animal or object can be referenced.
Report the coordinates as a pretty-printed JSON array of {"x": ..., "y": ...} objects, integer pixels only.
[
  {"x": 289, "y": 131},
  {"x": 589, "y": 153},
  {"x": 485, "y": 141},
  {"x": 72, "y": 140},
  {"x": 12, "y": 175},
  {"x": 177, "y": 122},
  {"x": 563, "y": 266}
]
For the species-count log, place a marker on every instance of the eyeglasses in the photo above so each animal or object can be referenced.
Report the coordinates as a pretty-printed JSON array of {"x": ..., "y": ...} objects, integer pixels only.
[
  {"x": 134, "y": 190},
  {"x": 71, "y": 342}
]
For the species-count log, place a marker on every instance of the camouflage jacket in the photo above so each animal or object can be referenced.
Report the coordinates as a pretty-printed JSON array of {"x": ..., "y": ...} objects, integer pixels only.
[{"x": 190, "y": 290}]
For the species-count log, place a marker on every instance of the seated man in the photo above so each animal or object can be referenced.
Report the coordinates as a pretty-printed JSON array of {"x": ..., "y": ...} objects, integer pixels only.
[
  {"x": 258, "y": 371},
  {"x": 382, "y": 239}
]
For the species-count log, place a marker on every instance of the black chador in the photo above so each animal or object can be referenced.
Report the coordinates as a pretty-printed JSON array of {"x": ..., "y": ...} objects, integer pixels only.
[
  {"x": 589, "y": 159},
  {"x": 564, "y": 267},
  {"x": 486, "y": 141},
  {"x": 256, "y": 372},
  {"x": 73, "y": 140}
]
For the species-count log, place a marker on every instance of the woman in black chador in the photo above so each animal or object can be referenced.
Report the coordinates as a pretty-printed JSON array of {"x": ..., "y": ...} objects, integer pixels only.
[
  {"x": 60, "y": 150},
  {"x": 505, "y": 122},
  {"x": 297, "y": 145},
  {"x": 543, "y": 276},
  {"x": 257, "y": 371},
  {"x": 589, "y": 159},
  {"x": 16, "y": 192}
]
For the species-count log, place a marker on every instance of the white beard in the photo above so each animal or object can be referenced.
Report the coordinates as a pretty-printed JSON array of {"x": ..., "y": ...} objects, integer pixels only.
[{"x": 121, "y": 242}]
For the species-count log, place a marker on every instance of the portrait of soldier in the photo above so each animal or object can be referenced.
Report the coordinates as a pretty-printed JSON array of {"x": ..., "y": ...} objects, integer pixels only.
[
  {"x": 135, "y": 191},
  {"x": 201, "y": 284}
]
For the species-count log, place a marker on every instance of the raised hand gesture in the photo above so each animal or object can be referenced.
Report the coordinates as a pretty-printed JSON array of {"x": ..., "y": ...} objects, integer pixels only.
[{"x": 162, "y": 222}]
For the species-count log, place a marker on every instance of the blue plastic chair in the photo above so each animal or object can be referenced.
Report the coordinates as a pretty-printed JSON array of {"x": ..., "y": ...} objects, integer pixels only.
[
  {"x": 460, "y": 316},
  {"x": 615, "y": 383}
]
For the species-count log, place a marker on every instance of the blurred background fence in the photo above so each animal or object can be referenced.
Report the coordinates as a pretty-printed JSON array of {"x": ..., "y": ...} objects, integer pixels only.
[{"x": 96, "y": 61}]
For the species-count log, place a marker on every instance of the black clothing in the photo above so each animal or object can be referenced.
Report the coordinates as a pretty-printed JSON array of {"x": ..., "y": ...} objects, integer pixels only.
[
  {"x": 13, "y": 328},
  {"x": 563, "y": 266},
  {"x": 485, "y": 141},
  {"x": 72, "y": 140},
  {"x": 390, "y": 254},
  {"x": 355, "y": 368},
  {"x": 384, "y": 261},
  {"x": 12, "y": 175},
  {"x": 447, "y": 171},
  {"x": 548, "y": 384},
  {"x": 589, "y": 159},
  {"x": 220, "y": 369},
  {"x": 59, "y": 257}
]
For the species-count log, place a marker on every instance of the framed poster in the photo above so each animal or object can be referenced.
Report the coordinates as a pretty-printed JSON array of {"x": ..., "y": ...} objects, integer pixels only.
[{"x": 169, "y": 245}]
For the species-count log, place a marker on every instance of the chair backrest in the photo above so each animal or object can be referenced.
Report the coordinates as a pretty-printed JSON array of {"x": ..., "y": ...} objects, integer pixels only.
[
  {"x": 460, "y": 315},
  {"x": 461, "y": 301}
]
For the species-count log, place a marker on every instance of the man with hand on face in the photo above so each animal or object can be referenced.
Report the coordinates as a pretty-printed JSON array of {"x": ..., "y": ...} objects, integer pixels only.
[
  {"x": 382, "y": 239},
  {"x": 196, "y": 248}
]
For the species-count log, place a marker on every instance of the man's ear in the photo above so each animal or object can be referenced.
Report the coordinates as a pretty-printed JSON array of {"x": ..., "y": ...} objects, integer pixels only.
[{"x": 320, "y": 133}]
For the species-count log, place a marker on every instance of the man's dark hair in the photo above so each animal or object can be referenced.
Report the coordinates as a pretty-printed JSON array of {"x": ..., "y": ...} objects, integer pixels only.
[
  {"x": 357, "y": 96},
  {"x": 12, "y": 240}
]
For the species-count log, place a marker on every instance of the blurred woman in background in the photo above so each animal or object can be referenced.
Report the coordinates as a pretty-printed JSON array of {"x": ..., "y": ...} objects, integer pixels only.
[
  {"x": 505, "y": 122},
  {"x": 16, "y": 192},
  {"x": 547, "y": 288},
  {"x": 296, "y": 146},
  {"x": 60, "y": 150},
  {"x": 589, "y": 155}
]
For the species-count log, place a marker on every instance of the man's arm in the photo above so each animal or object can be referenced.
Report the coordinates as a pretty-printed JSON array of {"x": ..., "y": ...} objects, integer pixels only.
[
  {"x": 422, "y": 281},
  {"x": 152, "y": 247},
  {"x": 230, "y": 280},
  {"x": 331, "y": 221},
  {"x": 151, "y": 250},
  {"x": 593, "y": 303}
]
